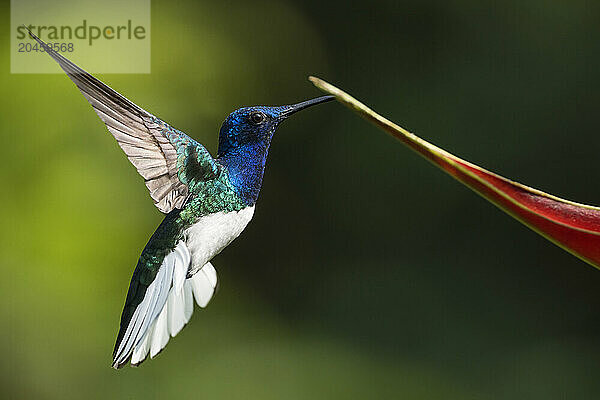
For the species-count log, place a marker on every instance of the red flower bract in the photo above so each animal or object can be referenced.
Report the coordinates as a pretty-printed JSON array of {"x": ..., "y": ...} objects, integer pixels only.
[{"x": 572, "y": 226}]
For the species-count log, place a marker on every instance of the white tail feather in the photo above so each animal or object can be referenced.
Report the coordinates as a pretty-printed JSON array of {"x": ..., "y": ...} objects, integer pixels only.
[
  {"x": 159, "y": 335},
  {"x": 175, "y": 307},
  {"x": 204, "y": 284},
  {"x": 178, "y": 309}
]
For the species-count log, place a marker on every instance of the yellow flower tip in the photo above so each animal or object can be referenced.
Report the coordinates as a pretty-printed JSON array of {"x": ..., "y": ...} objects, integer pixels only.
[{"x": 321, "y": 84}]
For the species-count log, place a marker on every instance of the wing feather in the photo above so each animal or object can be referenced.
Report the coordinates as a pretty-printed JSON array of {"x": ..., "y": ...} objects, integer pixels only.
[{"x": 151, "y": 145}]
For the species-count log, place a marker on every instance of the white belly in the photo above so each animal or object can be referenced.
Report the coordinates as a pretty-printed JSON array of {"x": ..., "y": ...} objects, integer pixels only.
[{"x": 212, "y": 233}]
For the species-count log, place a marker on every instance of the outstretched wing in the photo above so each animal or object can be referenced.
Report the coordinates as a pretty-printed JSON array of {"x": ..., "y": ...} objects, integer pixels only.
[{"x": 157, "y": 150}]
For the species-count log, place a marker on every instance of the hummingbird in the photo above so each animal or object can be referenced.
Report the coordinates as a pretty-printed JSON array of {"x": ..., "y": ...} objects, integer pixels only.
[{"x": 208, "y": 201}]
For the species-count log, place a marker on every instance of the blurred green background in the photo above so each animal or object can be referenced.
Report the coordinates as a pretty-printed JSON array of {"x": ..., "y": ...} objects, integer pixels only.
[{"x": 366, "y": 272}]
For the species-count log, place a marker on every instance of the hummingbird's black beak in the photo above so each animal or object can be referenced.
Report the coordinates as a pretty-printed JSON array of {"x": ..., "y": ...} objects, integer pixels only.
[{"x": 294, "y": 108}]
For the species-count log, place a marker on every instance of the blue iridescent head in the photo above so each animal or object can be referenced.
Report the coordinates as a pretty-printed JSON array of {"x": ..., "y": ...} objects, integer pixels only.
[
  {"x": 256, "y": 125},
  {"x": 244, "y": 143}
]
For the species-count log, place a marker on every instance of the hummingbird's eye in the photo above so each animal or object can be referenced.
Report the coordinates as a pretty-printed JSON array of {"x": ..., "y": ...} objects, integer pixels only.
[{"x": 258, "y": 117}]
